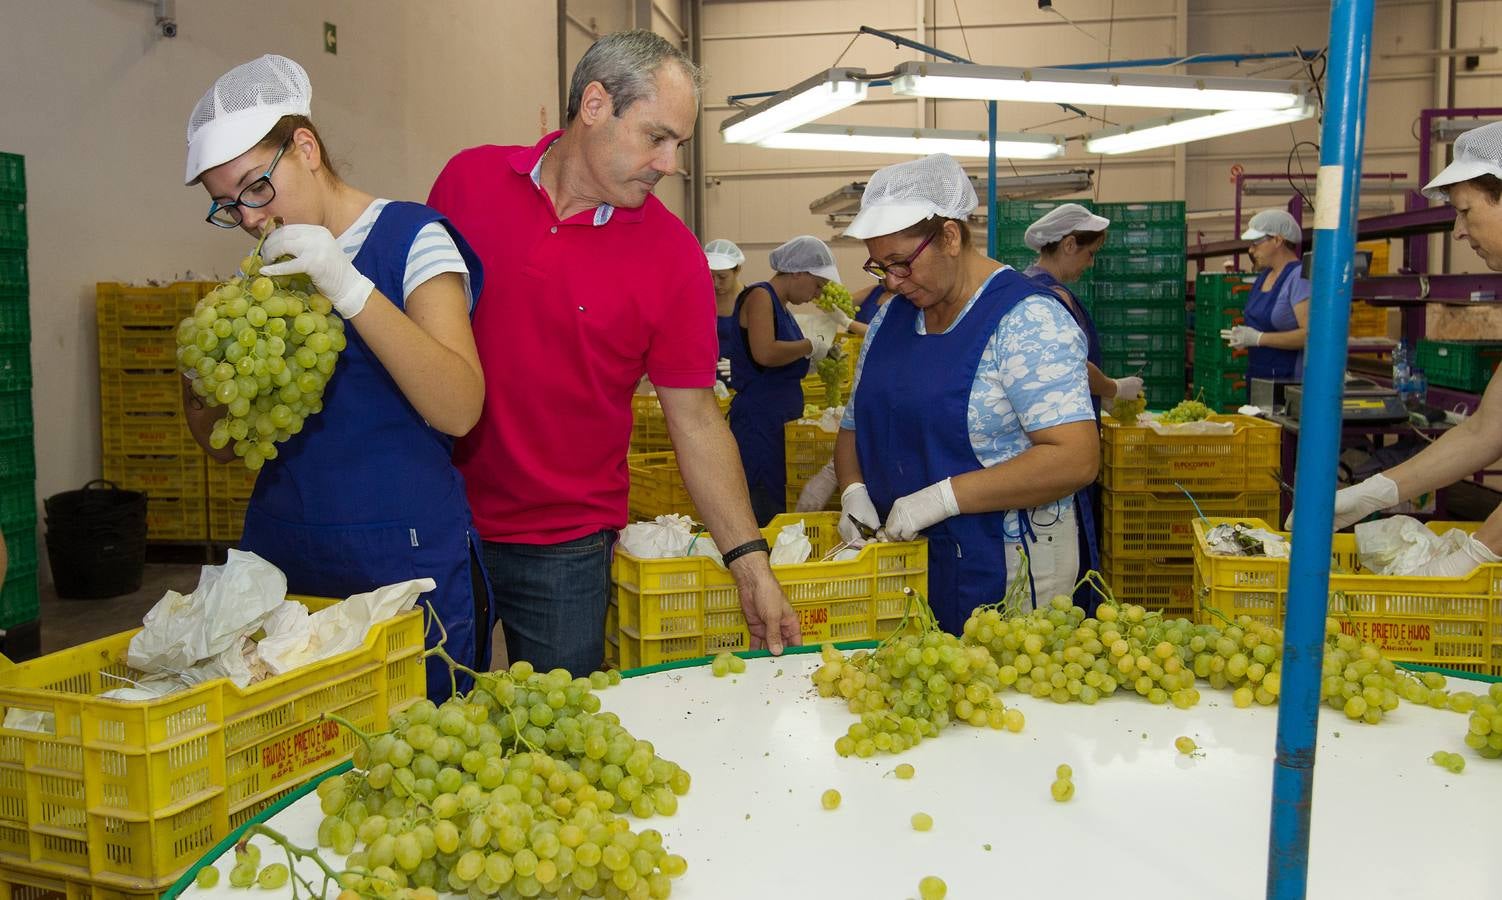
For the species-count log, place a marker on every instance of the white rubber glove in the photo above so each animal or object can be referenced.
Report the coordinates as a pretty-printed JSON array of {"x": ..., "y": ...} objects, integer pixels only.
[
  {"x": 839, "y": 318},
  {"x": 918, "y": 510},
  {"x": 820, "y": 344},
  {"x": 1241, "y": 336},
  {"x": 1358, "y": 501},
  {"x": 856, "y": 503},
  {"x": 819, "y": 489},
  {"x": 1128, "y": 388},
  {"x": 722, "y": 368},
  {"x": 316, "y": 253},
  {"x": 1461, "y": 562}
]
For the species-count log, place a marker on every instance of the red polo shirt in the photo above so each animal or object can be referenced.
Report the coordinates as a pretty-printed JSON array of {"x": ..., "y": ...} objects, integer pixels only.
[{"x": 573, "y": 313}]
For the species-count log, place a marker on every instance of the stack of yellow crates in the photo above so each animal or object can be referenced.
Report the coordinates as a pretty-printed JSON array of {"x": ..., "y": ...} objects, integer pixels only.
[
  {"x": 146, "y": 443},
  {"x": 1155, "y": 485},
  {"x": 229, "y": 488}
]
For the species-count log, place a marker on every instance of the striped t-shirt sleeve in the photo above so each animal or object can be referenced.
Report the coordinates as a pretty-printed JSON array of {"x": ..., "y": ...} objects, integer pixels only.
[{"x": 433, "y": 253}]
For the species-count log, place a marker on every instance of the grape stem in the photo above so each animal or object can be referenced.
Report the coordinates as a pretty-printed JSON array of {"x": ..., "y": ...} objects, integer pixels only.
[{"x": 294, "y": 853}]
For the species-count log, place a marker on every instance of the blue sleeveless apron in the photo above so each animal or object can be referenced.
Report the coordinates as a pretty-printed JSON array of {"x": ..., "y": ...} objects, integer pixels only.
[
  {"x": 365, "y": 495},
  {"x": 868, "y": 310},
  {"x": 1269, "y": 362},
  {"x": 765, "y": 400}
]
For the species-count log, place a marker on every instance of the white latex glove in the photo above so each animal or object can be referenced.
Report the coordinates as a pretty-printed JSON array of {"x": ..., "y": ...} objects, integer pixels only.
[
  {"x": 820, "y": 344},
  {"x": 819, "y": 489},
  {"x": 722, "y": 368},
  {"x": 1128, "y": 388},
  {"x": 855, "y": 502},
  {"x": 919, "y": 510},
  {"x": 1358, "y": 501},
  {"x": 839, "y": 318},
  {"x": 1241, "y": 336},
  {"x": 317, "y": 254},
  {"x": 1461, "y": 562}
]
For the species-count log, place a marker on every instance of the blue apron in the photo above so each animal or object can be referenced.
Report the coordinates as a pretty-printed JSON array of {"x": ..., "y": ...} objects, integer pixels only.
[
  {"x": 765, "y": 400},
  {"x": 1087, "y": 504},
  {"x": 365, "y": 495},
  {"x": 727, "y": 329},
  {"x": 868, "y": 310},
  {"x": 1269, "y": 362},
  {"x": 912, "y": 429}
]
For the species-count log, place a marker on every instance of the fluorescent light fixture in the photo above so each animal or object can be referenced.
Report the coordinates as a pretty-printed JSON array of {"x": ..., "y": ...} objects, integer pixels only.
[
  {"x": 1092, "y": 87},
  {"x": 810, "y": 99},
  {"x": 1183, "y": 128},
  {"x": 913, "y": 141}
]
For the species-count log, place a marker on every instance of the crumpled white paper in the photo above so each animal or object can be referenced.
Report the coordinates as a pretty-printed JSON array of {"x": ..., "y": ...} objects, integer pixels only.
[
  {"x": 295, "y": 637},
  {"x": 792, "y": 545},
  {"x": 30, "y": 720},
  {"x": 813, "y": 320},
  {"x": 229, "y": 604},
  {"x": 1399, "y": 544},
  {"x": 1204, "y": 426},
  {"x": 667, "y": 537}
]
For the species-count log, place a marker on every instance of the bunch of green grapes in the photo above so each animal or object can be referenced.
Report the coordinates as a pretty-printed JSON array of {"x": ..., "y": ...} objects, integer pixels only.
[
  {"x": 1484, "y": 732},
  {"x": 1356, "y": 678},
  {"x": 1186, "y": 411},
  {"x": 1127, "y": 411},
  {"x": 263, "y": 348},
  {"x": 836, "y": 296},
  {"x": 912, "y": 686},
  {"x": 518, "y": 789},
  {"x": 831, "y": 371}
]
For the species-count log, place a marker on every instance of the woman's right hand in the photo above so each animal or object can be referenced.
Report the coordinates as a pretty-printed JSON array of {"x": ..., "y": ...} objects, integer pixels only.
[
  {"x": 316, "y": 253},
  {"x": 856, "y": 504}
]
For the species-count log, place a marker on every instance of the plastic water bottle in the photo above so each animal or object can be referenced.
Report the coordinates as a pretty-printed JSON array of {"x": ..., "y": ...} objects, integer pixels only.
[
  {"x": 1418, "y": 389},
  {"x": 1402, "y": 371}
]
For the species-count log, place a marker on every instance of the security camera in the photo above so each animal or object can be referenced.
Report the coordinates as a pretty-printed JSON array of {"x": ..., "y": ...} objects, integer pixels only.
[{"x": 168, "y": 27}]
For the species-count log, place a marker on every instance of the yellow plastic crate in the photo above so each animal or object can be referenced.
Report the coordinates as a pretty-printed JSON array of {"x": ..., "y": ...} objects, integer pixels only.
[
  {"x": 649, "y": 427},
  {"x": 121, "y": 305},
  {"x": 1165, "y": 583},
  {"x": 226, "y": 518},
  {"x": 230, "y": 480},
  {"x": 1450, "y": 622},
  {"x": 150, "y": 391},
  {"x": 138, "y": 348},
  {"x": 689, "y": 607},
  {"x": 176, "y": 518},
  {"x": 180, "y": 475},
  {"x": 18, "y": 884},
  {"x": 1136, "y": 458},
  {"x": 1368, "y": 321},
  {"x": 1137, "y": 524},
  {"x": 127, "y": 795},
  {"x": 146, "y": 434},
  {"x": 657, "y": 487}
]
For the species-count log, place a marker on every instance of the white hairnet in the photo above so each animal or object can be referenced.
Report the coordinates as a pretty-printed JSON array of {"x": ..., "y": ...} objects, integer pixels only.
[
  {"x": 723, "y": 254},
  {"x": 241, "y": 108},
  {"x": 1273, "y": 221},
  {"x": 805, "y": 253},
  {"x": 1477, "y": 152},
  {"x": 907, "y": 193},
  {"x": 1060, "y": 222}
]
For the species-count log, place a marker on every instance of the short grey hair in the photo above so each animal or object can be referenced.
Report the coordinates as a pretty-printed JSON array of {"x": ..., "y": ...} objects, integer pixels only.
[{"x": 624, "y": 64}]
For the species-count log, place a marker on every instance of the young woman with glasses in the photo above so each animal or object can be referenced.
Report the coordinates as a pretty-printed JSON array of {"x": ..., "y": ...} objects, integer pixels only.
[
  {"x": 365, "y": 494},
  {"x": 971, "y": 421}
]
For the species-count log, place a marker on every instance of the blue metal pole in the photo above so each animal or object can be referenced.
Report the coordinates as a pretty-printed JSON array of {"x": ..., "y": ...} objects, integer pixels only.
[
  {"x": 991, "y": 180},
  {"x": 1341, "y": 141}
]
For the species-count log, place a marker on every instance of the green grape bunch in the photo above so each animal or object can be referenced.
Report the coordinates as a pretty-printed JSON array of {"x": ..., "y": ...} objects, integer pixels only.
[
  {"x": 831, "y": 371},
  {"x": 1186, "y": 411},
  {"x": 264, "y": 348},
  {"x": 1126, "y": 411},
  {"x": 836, "y": 296}
]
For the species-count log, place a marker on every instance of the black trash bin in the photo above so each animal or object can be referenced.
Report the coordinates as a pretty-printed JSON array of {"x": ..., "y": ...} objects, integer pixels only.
[{"x": 96, "y": 540}]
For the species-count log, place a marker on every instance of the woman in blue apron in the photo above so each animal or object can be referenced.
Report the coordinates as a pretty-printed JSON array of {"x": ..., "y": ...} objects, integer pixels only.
[
  {"x": 972, "y": 423},
  {"x": 767, "y": 364},
  {"x": 364, "y": 495},
  {"x": 725, "y": 260},
  {"x": 1277, "y": 310}
]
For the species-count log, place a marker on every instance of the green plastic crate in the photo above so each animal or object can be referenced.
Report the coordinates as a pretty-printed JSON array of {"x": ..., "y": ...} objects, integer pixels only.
[
  {"x": 13, "y": 271},
  {"x": 1158, "y": 369},
  {"x": 1140, "y": 292},
  {"x": 1131, "y": 213},
  {"x": 1215, "y": 290},
  {"x": 1143, "y": 237},
  {"x": 1026, "y": 212},
  {"x": 20, "y": 539},
  {"x": 1140, "y": 265},
  {"x": 15, "y": 366},
  {"x": 1162, "y": 397},
  {"x": 18, "y": 499},
  {"x": 1463, "y": 365},
  {"x": 12, "y": 176},
  {"x": 17, "y": 458},
  {"x": 12, "y": 225},
  {"x": 20, "y": 599},
  {"x": 1121, "y": 317},
  {"x": 1145, "y": 342},
  {"x": 15, "y": 318},
  {"x": 15, "y": 412}
]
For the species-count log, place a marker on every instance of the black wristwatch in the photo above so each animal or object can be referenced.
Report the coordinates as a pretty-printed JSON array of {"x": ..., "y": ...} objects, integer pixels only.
[{"x": 760, "y": 544}]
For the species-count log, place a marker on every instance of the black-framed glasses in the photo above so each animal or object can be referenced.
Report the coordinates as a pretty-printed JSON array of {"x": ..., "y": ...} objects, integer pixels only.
[
  {"x": 900, "y": 269},
  {"x": 255, "y": 195}
]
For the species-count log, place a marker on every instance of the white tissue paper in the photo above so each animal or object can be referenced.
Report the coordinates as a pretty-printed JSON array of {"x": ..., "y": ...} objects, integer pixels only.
[
  {"x": 829, "y": 419},
  {"x": 813, "y": 320},
  {"x": 792, "y": 545},
  {"x": 1204, "y": 426},
  {"x": 29, "y": 720},
  {"x": 295, "y": 637},
  {"x": 229, "y": 604},
  {"x": 667, "y": 537},
  {"x": 720, "y": 390},
  {"x": 1399, "y": 544}
]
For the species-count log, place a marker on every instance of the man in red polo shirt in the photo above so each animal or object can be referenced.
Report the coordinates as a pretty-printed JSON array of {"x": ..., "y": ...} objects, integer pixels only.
[{"x": 591, "y": 283}]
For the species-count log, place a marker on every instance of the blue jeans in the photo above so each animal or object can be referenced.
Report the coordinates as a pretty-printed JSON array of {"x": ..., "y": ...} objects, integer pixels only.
[{"x": 551, "y": 600}]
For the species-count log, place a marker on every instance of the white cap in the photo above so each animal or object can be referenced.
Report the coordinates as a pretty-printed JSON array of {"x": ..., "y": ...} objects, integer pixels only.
[
  {"x": 1060, "y": 222},
  {"x": 1477, "y": 152},
  {"x": 805, "y": 253},
  {"x": 723, "y": 254},
  {"x": 1273, "y": 222},
  {"x": 241, "y": 108},
  {"x": 907, "y": 193}
]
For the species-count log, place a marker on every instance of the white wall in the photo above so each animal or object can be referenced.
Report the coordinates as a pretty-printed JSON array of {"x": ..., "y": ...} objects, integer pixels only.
[{"x": 98, "y": 102}]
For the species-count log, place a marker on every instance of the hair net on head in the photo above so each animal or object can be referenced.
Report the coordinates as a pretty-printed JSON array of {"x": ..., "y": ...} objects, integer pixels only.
[
  {"x": 805, "y": 253},
  {"x": 1477, "y": 152},
  {"x": 723, "y": 254},
  {"x": 1273, "y": 222},
  {"x": 241, "y": 108},
  {"x": 907, "y": 193},
  {"x": 1060, "y": 222}
]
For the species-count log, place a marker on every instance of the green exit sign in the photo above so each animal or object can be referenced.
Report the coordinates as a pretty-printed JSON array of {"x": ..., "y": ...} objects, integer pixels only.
[{"x": 330, "y": 38}]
